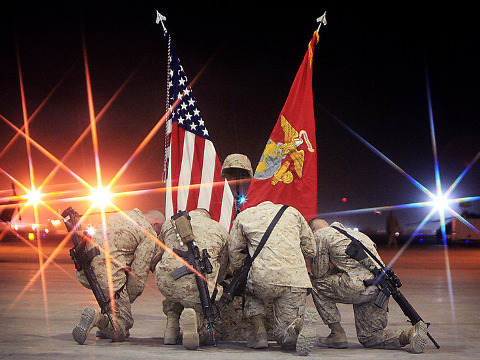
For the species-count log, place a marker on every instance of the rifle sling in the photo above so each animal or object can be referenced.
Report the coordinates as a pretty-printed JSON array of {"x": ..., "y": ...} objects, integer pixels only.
[
  {"x": 268, "y": 232},
  {"x": 360, "y": 243}
]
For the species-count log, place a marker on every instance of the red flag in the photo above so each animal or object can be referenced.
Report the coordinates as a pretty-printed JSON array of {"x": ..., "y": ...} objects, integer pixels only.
[
  {"x": 192, "y": 168},
  {"x": 287, "y": 171}
]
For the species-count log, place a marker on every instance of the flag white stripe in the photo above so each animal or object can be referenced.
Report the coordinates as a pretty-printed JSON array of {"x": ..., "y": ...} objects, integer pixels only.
[
  {"x": 185, "y": 170},
  {"x": 227, "y": 207},
  {"x": 208, "y": 172}
]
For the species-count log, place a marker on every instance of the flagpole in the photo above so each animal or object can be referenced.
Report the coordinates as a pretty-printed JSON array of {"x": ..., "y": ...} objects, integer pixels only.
[
  {"x": 322, "y": 20},
  {"x": 166, "y": 162}
]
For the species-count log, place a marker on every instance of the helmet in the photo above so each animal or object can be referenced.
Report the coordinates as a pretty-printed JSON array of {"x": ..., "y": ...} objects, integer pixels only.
[{"x": 236, "y": 167}]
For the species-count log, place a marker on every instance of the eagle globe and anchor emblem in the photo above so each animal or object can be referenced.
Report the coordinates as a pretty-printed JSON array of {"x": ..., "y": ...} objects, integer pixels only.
[{"x": 274, "y": 163}]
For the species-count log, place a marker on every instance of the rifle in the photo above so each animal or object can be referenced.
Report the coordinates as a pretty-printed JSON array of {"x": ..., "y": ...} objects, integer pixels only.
[
  {"x": 384, "y": 278},
  {"x": 199, "y": 262},
  {"x": 82, "y": 259}
]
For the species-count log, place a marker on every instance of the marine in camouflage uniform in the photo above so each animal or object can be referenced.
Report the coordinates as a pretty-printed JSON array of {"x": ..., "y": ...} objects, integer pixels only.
[
  {"x": 339, "y": 279},
  {"x": 182, "y": 294},
  {"x": 133, "y": 253},
  {"x": 279, "y": 273}
]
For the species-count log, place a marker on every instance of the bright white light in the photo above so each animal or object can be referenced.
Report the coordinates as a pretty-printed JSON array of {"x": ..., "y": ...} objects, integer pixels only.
[
  {"x": 90, "y": 230},
  {"x": 441, "y": 202},
  {"x": 33, "y": 196},
  {"x": 101, "y": 197}
]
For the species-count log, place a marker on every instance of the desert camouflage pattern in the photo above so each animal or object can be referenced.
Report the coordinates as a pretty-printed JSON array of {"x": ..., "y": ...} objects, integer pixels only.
[
  {"x": 236, "y": 327},
  {"x": 339, "y": 279},
  {"x": 237, "y": 161},
  {"x": 288, "y": 305},
  {"x": 122, "y": 316},
  {"x": 131, "y": 254},
  {"x": 210, "y": 235},
  {"x": 281, "y": 261},
  {"x": 331, "y": 246},
  {"x": 279, "y": 273}
]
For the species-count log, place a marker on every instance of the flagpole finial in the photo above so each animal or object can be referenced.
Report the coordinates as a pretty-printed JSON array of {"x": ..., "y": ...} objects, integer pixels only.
[
  {"x": 322, "y": 20},
  {"x": 160, "y": 19}
]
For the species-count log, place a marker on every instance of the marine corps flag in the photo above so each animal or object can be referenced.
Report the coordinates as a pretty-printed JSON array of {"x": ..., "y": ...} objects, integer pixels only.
[{"x": 287, "y": 171}]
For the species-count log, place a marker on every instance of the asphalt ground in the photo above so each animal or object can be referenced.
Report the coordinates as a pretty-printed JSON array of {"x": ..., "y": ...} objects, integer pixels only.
[{"x": 37, "y": 314}]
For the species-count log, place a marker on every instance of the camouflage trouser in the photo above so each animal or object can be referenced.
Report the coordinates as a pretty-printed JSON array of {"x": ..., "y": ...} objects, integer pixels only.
[
  {"x": 288, "y": 304},
  {"x": 170, "y": 305},
  {"x": 122, "y": 312},
  {"x": 237, "y": 327},
  {"x": 370, "y": 320}
]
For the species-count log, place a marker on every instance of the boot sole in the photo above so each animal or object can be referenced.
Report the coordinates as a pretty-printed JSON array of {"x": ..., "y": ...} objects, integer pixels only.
[
  {"x": 191, "y": 339},
  {"x": 419, "y": 340},
  {"x": 81, "y": 331},
  {"x": 306, "y": 337}
]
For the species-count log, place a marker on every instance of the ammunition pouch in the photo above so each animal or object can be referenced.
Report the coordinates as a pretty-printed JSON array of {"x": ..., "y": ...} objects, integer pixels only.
[{"x": 181, "y": 223}]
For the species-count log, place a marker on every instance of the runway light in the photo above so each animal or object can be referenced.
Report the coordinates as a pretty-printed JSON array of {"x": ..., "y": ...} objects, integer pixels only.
[
  {"x": 441, "y": 202},
  {"x": 33, "y": 196},
  {"x": 101, "y": 197}
]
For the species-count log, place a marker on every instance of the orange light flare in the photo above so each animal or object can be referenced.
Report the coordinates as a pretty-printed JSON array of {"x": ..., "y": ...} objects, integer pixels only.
[
  {"x": 38, "y": 109},
  {"x": 158, "y": 125},
  {"x": 101, "y": 198},
  {"x": 47, "y": 153},
  {"x": 34, "y": 197},
  {"x": 100, "y": 192},
  {"x": 51, "y": 259},
  {"x": 87, "y": 130},
  {"x": 91, "y": 112},
  {"x": 165, "y": 247},
  {"x": 40, "y": 271}
]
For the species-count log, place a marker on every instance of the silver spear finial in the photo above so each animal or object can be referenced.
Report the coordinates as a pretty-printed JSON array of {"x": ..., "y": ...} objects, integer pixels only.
[{"x": 322, "y": 20}]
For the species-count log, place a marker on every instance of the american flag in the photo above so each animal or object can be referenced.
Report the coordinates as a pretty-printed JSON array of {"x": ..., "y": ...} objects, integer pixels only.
[{"x": 191, "y": 169}]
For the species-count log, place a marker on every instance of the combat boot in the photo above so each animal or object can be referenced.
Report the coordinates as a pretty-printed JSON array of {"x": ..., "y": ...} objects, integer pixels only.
[
  {"x": 337, "y": 338},
  {"x": 90, "y": 318},
  {"x": 306, "y": 336},
  {"x": 415, "y": 338},
  {"x": 259, "y": 336},
  {"x": 172, "y": 329},
  {"x": 191, "y": 339}
]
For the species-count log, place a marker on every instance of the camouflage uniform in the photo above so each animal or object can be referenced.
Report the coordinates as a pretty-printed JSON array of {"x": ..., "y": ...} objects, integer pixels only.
[
  {"x": 343, "y": 283},
  {"x": 183, "y": 293},
  {"x": 132, "y": 255},
  {"x": 279, "y": 271}
]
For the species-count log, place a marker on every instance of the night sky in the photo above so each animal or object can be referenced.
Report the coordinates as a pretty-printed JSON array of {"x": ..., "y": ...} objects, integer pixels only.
[{"x": 370, "y": 72}]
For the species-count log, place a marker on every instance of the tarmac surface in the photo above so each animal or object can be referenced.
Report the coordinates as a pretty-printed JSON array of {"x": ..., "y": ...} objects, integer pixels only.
[{"x": 38, "y": 313}]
